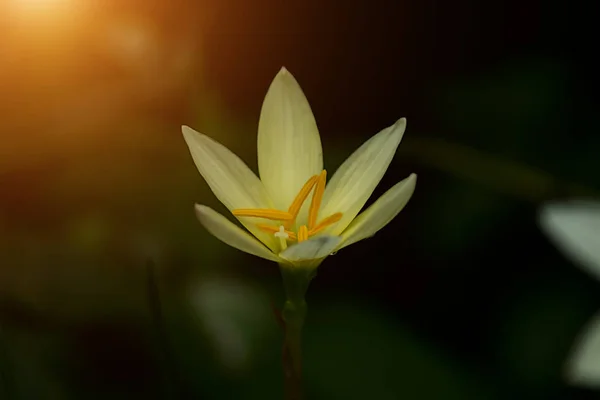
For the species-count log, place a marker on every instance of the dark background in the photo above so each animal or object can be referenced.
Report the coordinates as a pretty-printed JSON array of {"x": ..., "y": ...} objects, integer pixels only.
[{"x": 109, "y": 287}]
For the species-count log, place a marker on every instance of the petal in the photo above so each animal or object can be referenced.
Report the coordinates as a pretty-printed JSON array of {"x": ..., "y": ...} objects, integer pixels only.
[
  {"x": 312, "y": 249},
  {"x": 380, "y": 213},
  {"x": 229, "y": 178},
  {"x": 582, "y": 367},
  {"x": 232, "y": 182},
  {"x": 354, "y": 181},
  {"x": 228, "y": 232},
  {"x": 289, "y": 146},
  {"x": 574, "y": 227}
]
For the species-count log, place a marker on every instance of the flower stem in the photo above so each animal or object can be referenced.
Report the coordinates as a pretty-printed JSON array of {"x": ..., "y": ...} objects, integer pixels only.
[
  {"x": 293, "y": 315},
  {"x": 295, "y": 281}
]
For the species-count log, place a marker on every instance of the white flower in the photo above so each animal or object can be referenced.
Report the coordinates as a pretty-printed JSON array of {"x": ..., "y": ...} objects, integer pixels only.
[
  {"x": 575, "y": 229},
  {"x": 283, "y": 226}
]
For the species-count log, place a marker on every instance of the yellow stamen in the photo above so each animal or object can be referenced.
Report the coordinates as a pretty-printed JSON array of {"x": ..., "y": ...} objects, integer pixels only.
[
  {"x": 275, "y": 230},
  {"x": 313, "y": 212},
  {"x": 282, "y": 232},
  {"x": 275, "y": 215},
  {"x": 302, "y": 233},
  {"x": 300, "y": 198},
  {"x": 332, "y": 219}
]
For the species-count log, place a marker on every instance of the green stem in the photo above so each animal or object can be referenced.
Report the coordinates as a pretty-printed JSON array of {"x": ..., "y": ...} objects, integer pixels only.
[
  {"x": 295, "y": 281},
  {"x": 293, "y": 315}
]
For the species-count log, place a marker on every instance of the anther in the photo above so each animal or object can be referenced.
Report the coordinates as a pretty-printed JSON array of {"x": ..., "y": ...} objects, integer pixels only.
[
  {"x": 300, "y": 198},
  {"x": 332, "y": 219},
  {"x": 315, "y": 203},
  {"x": 302, "y": 233},
  {"x": 275, "y": 215}
]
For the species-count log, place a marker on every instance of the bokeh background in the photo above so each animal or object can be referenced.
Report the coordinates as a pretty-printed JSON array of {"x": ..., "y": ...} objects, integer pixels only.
[{"x": 110, "y": 288}]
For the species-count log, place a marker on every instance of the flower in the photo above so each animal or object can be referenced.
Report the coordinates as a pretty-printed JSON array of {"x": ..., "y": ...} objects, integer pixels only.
[
  {"x": 574, "y": 228},
  {"x": 282, "y": 226}
]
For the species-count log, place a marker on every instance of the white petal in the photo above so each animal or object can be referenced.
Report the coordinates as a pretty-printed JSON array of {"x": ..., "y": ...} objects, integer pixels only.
[
  {"x": 230, "y": 179},
  {"x": 575, "y": 229},
  {"x": 380, "y": 213},
  {"x": 583, "y": 366},
  {"x": 312, "y": 249},
  {"x": 228, "y": 232},
  {"x": 289, "y": 146},
  {"x": 354, "y": 181}
]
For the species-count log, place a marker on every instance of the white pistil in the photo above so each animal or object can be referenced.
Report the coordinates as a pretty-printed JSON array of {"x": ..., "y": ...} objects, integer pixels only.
[{"x": 283, "y": 237}]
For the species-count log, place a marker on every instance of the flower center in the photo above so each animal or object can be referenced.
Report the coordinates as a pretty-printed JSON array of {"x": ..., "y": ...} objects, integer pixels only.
[{"x": 288, "y": 218}]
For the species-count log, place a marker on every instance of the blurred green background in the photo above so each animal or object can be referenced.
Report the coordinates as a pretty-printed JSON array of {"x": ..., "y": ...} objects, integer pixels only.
[{"x": 110, "y": 288}]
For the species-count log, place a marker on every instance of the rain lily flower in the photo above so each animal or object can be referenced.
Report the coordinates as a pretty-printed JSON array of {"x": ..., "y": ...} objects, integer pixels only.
[
  {"x": 282, "y": 223},
  {"x": 574, "y": 227}
]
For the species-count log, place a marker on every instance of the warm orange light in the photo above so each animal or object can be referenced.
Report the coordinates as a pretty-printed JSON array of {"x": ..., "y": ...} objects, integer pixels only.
[
  {"x": 40, "y": 3},
  {"x": 50, "y": 9}
]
